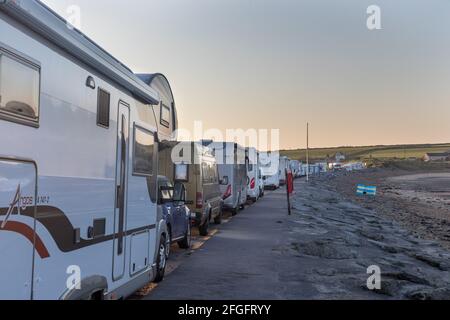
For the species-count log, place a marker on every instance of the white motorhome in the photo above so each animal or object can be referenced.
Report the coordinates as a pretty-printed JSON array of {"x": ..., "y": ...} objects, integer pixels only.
[
  {"x": 323, "y": 167},
  {"x": 295, "y": 168},
  {"x": 261, "y": 182},
  {"x": 254, "y": 187},
  {"x": 78, "y": 164},
  {"x": 269, "y": 163},
  {"x": 353, "y": 166},
  {"x": 231, "y": 159},
  {"x": 303, "y": 169},
  {"x": 314, "y": 169},
  {"x": 284, "y": 165}
]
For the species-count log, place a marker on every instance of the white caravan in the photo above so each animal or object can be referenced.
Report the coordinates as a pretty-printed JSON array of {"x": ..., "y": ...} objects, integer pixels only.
[
  {"x": 254, "y": 188},
  {"x": 231, "y": 160},
  {"x": 78, "y": 164},
  {"x": 284, "y": 164}
]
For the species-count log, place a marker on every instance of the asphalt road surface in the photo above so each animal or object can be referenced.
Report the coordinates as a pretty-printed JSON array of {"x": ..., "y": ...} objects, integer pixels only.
[
  {"x": 239, "y": 262},
  {"x": 322, "y": 251}
]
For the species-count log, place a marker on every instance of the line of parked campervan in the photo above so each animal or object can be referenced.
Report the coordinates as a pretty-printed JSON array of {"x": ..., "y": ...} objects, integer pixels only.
[
  {"x": 216, "y": 176},
  {"x": 273, "y": 180},
  {"x": 91, "y": 198}
]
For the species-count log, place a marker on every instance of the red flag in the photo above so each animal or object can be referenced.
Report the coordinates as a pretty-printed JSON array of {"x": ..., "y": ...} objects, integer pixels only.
[{"x": 290, "y": 183}]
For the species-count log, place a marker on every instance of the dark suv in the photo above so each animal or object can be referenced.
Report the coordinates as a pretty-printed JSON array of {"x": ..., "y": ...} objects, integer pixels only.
[{"x": 172, "y": 199}]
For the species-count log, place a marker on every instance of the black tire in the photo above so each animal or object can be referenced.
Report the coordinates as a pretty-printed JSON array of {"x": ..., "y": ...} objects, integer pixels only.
[
  {"x": 218, "y": 219},
  {"x": 185, "y": 243},
  {"x": 239, "y": 207},
  {"x": 203, "y": 228},
  {"x": 97, "y": 296},
  {"x": 161, "y": 260},
  {"x": 235, "y": 210}
]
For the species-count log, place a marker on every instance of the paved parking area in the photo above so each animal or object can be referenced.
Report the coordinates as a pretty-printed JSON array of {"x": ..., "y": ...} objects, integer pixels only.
[{"x": 237, "y": 262}]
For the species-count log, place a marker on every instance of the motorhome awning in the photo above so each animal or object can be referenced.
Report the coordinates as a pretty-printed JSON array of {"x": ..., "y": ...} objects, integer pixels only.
[{"x": 41, "y": 19}]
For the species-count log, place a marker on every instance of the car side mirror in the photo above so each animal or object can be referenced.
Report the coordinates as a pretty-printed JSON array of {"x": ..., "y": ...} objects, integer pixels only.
[
  {"x": 224, "y": 181},
  {"x": 166, "y": 199},
  {"x": 160, "y": 197}
]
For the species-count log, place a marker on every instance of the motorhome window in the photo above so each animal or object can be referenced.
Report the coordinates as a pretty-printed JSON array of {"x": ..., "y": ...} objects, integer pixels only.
[
  {"x": 144, "y": 142},
  {"x": 205, "y": 172},
  {"x": 19, "y": 88},
  {"x": 215, "y": 173},
  {"x": 103, "y": 108},
  {"x": 210, "y": 173},
  {"x": 178, "y": 191},
  {"x": 165, "y": 115},
  {"x": 181, "y": 172}
]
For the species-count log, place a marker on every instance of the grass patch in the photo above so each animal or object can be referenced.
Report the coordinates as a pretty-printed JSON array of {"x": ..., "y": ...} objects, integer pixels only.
[{"x": 381, "y": 154}]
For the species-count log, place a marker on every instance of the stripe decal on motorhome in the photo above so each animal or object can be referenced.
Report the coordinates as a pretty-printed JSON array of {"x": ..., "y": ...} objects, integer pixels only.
[
  {"x": 62, "y": 230},
  {"x": 27, "y": 232}
]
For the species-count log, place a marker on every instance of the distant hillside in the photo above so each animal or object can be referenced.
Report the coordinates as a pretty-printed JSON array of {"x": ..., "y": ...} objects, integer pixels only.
[{"x": 369, "y": 152}]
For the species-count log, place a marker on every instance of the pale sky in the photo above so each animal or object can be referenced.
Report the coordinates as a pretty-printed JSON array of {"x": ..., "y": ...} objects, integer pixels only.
[{"x": 280, "y": 63}]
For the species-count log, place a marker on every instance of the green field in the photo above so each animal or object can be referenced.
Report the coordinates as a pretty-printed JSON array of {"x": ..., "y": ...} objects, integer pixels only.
[{"x": 380, "y": 153}]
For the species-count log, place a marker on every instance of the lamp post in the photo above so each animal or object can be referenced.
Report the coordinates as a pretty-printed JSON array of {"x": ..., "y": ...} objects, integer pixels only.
[{"x": 307, "y": 152}]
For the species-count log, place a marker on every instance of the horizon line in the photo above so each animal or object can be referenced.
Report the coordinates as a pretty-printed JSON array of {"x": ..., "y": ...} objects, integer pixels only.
[{"x": 373, "y": 146}]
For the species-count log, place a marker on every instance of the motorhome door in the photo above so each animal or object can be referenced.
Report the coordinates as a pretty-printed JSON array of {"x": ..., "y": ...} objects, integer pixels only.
[
  {"x": 123, "y": 142},
  {"x": 18, "y": 193}
]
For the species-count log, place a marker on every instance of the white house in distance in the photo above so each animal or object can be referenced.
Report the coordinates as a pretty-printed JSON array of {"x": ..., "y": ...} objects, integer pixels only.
[
  {"x": 340, "y": 157},
  {"x": 440, "y": 156}
]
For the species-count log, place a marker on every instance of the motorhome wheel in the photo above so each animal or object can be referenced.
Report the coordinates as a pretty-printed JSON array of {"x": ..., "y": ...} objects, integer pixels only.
[
  {"x": 218, "y": 219},
  {"x": 203, "y": 228},
  {"x": 161, "y": 260}
]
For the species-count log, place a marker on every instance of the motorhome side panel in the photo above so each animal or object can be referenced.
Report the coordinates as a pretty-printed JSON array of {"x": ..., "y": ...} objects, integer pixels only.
[
  {"x": 227, "y": 190},
  {"x": 212, "y": 196},
  {"x": 284, "y": 165},
  {"x": 76, "y": 161},
  {"x": 270, "y": 171},
  {"x": 18, "y": 181},
  {"x": 225, "y": 157},
  {"x": 252, "y": 174}
]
